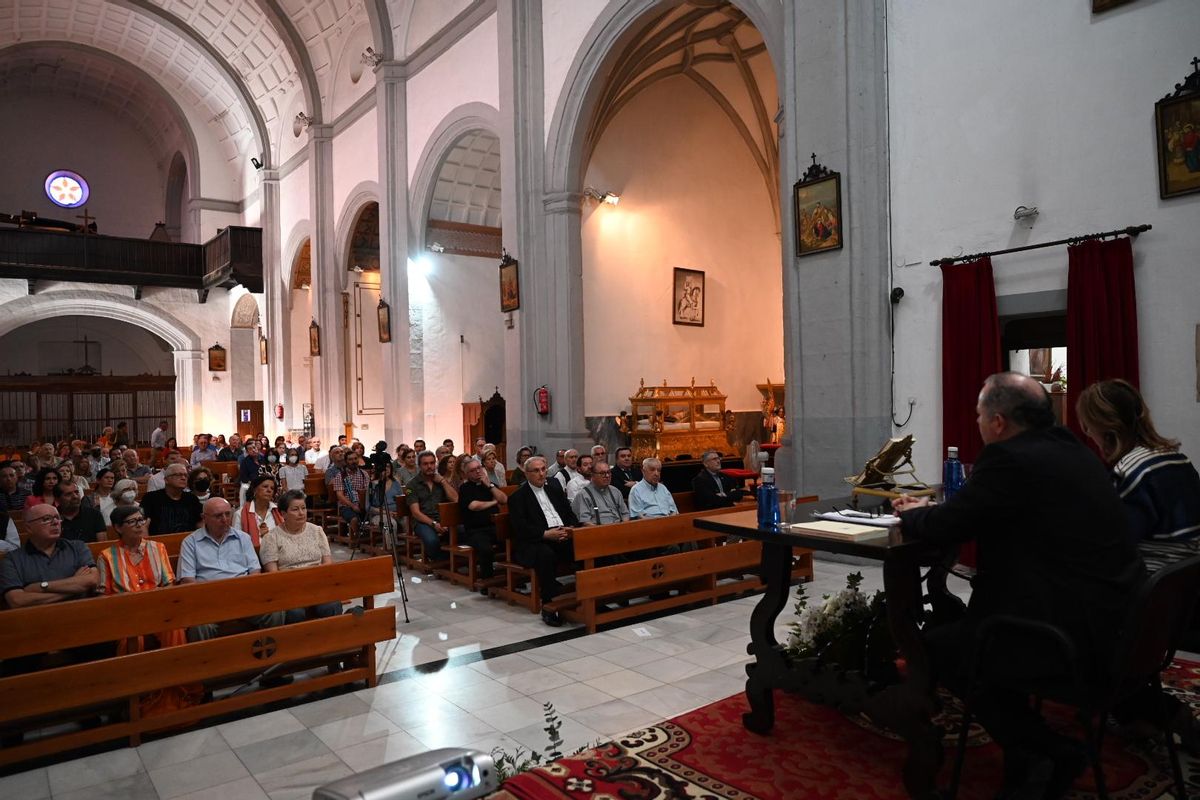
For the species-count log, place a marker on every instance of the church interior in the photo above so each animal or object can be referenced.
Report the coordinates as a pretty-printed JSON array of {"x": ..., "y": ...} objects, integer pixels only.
[{"x": 503, "y": 221}]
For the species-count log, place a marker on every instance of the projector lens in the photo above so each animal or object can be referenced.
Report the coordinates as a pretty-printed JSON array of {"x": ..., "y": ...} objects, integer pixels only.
[{"x": 457, "y": 777}]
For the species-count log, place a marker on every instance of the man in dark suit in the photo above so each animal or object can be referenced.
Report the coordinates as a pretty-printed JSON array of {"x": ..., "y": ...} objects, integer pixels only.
[
  {"x": 542, "y": 524},
  {"x": 1052, "y": 547},
  {"x": 710, "y": 488}
]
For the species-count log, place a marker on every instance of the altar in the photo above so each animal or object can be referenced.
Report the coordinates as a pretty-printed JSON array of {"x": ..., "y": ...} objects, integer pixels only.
[{"x": 666, "y": 422}]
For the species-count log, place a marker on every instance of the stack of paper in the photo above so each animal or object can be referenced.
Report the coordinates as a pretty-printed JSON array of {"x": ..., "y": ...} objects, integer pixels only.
[
  {"x": 860, "y": 518},
  {"x": 841, "y": 531}
]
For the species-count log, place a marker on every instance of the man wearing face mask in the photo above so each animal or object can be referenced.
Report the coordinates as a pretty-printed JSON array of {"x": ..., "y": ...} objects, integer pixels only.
[
  {"x": 172, "y": 509},
  {"x": 293, "y": 473}
]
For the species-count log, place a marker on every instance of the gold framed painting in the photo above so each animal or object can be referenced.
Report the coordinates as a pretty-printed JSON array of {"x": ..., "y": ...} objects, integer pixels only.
[
  {"x": 1177, "y": 129},
  {"x": 687, "y": 297},
  {"x": 314, "y": 339},
  {"x": 217, "y": 361},
  {"x": 263, "y": 356},
  {"x": 385, "y": 321},
  {"x": 817, "y": 211},
  {"x": 510, "y": 285}
]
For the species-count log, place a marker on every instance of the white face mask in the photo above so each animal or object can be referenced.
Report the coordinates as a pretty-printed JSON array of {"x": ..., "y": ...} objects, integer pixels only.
[
  {"x": 128, "y": 496},
  {"x": 272, "y": 458},
  {"x": 293, "y": 459}
]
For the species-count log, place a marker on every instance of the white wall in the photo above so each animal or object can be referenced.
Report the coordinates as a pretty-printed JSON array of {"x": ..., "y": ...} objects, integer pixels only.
[
  {"x": 355, "y": 160},
  {"x": 426, "y": 18},
  {"x": 457, "y": 295},
  {"x": 49, "y": 346},
  {"x": 691, "y": 196},
  {"x": 128, "y": 180},
  {"x": 1056, "y": 110},
  {"x": 565, "y": 24},
  {"x": 467, "y": 72}
]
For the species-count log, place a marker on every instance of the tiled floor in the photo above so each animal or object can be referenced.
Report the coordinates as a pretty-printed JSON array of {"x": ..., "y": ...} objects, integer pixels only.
[{"x": 600, "y": 685}]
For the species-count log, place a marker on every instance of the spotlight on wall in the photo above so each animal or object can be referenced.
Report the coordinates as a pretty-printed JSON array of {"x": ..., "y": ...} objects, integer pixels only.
[
  {"x": 257, "y": 164},
  {"x": 1025, "y": 212},
  {"x": 612, "y": 198},
  {"x": 358, "y": 269},
  {"x": 370, "y": 58},
  {"x": 301, "y": 123},
  {"x": 437, "y": 247}
]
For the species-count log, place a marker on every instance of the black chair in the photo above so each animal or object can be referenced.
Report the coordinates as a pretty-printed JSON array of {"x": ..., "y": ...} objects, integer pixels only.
[{"x": 1158, "y": 618}]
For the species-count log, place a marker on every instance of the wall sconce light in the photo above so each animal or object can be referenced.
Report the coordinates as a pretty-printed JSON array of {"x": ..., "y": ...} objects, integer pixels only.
[
  {"x": 370, "y": 58},
  {"x": 301, "y": 123},
  {"x": 1025, "y": 212},
  {"x": 358, "y": 269},
  {"x": 437, "y": 247},
  {"x": 612, "y": 198},
  {"x": 257, "y": 164}
]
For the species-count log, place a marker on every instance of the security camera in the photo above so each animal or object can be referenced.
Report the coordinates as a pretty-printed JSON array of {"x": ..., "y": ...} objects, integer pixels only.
[
  {"x": 438, "y": 774},
  {"x": 897, "y": 295}
]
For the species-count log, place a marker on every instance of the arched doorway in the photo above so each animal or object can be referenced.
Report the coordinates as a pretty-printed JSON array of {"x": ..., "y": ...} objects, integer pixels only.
[
  {"x": 176, "y": 209},
  {"x": 245, "y": 370},
  {"x": 683, "y": 131},
  {"x": 300, "y": 316},
  {"x": 363, "y": 359}
]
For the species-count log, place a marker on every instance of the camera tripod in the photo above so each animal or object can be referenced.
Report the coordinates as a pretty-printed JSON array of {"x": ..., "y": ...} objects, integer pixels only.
[{"x": 391, "y": 540}]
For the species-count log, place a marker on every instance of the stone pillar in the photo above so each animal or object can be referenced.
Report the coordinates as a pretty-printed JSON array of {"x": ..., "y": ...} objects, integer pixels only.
[
  {"x": 279, "y": 388},
  {"x": 836, "y": 340},
  {"x": 329, "y": 375},
  {"x": 392, "y": 121},
  {"x": 545, "y": 344},
  {"x": 189, "y": 405}
]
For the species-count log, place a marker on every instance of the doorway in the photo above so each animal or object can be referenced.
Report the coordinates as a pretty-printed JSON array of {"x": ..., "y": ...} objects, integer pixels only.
[{"x": 249, "y": 418}]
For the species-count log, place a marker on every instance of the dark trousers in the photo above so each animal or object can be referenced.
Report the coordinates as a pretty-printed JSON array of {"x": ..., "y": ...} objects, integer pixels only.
[
  {"x": 74, "y": 655},
  {"x": 483, "y": 542},
  {"x": 544, "y": 557}
]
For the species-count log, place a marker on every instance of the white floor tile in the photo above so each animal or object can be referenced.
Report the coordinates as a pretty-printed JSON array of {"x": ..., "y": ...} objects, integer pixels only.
[
  {"x": 572, "y": 697},
  {"x": 201, "y": 773},
  {"x": 184, "y": 747},
  {"x": 269, "y": 754},
  {"x": 455, "y": 733},
  {"x": 623, "y": 683},
  {"x": 667, "y": 701},
  {"x": 33, "y": 784},
  {"x": 133, "y": 787},
  {"x": 355, "y": 730},
  {"x": 256, "y": 729},
  {"x": 536, "y": 680},
  {"x": 504, "y": 665},
  {"x": 480, "y": 695},
  {"x": 376, "y": 752},
  {"x": 615, "y": 716},
  {"x": 581, "y": 669},
  {"x": 297, "y": 781},
  {"x": 669, "y": 670},
  {"x": 713, "y": 685},
  {"x": 631, "y": 655},
  {"x": 329, "y": 709},
  {"x": 244, "y": 789},
  {"x": 93, "y": 770},
  {"x": 512, "y": 715}
]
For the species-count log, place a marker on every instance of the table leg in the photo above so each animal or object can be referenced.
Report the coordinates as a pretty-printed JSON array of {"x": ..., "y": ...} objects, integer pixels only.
[{"x": 769, "y": 667}]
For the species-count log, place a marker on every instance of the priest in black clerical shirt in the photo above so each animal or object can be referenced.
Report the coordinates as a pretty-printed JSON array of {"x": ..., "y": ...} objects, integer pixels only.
[
  {"x": 479, "y": 502},
  {"x": 624, "y": 474}
]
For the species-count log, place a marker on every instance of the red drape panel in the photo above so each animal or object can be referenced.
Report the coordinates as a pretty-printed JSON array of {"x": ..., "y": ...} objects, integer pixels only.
[
  {"x": 1102, "y": 332},
  {"x": 970, "y": 353}
]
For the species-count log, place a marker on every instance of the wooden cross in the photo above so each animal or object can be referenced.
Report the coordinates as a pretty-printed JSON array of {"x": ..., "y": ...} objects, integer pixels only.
[
  {"x": 87, "y": 218},
  {"x": 85, "y": 341},
  {"x": 1196, "y": 64}
]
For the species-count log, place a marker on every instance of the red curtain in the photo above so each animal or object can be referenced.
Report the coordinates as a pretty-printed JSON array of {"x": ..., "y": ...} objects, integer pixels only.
[
  {"x": 1102, "y": 331},
  {"x": 970, "y": 353}
]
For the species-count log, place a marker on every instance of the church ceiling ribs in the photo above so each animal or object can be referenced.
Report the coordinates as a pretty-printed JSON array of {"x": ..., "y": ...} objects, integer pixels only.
[{"x": 677, "y": 37}]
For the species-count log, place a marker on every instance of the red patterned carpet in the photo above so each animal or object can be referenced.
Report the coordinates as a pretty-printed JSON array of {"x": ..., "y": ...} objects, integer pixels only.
[{"x": 815, "y": 753}]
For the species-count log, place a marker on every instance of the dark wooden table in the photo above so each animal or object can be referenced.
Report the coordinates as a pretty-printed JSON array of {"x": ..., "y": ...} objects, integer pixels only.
[{"x": 907, "y": 707}]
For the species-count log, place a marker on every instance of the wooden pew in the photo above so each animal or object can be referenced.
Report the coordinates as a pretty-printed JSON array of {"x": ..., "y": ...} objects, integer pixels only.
[
  {"x": 27, "y": 700},
  {"x": 172, "y": 541},
  {"x": 711, "y": 571}
]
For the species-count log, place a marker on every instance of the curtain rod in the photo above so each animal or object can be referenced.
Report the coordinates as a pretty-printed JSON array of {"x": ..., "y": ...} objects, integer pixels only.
[{"x": 1132, "y": 231}]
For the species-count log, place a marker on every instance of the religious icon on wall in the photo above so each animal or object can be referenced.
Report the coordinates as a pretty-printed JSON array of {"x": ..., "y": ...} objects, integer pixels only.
[
  {"x": 687, "y": 299},
  {"x": 1177, "y": 125},
  {"x": 262, "y": 348},
  {"x": 510, "y": 287},
  {"x": 385, "y": 321},
  {"x": 216, "y": 358},
  {"x": 314, "y": 339},
  {"x": 817, "y": 210}
]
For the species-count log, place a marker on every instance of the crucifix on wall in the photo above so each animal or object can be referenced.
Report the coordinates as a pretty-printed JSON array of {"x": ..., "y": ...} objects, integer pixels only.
[{"x": 87, "y": 355}]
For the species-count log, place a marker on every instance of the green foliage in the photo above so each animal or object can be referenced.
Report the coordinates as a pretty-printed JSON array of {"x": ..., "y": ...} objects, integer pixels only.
[
  {"x": 847, "y": 631},
  {"x": 522, "y": 760}
]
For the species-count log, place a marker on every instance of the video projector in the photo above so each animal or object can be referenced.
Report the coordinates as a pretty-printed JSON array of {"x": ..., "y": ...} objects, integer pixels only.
[{"x": 438, "y": 774}]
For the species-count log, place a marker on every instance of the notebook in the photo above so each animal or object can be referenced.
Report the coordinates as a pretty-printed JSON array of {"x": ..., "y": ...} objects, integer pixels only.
[{"x": 841, "y": 531}]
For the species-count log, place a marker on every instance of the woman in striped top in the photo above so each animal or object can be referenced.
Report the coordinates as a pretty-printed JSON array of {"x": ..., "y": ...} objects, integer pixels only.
[{"x": 1159, "y": 487}]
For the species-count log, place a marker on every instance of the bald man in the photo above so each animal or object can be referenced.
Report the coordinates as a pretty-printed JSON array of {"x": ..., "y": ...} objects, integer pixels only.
[
  {"x": 218, "y": 551},
  {"x": 1052, "y": 548}
]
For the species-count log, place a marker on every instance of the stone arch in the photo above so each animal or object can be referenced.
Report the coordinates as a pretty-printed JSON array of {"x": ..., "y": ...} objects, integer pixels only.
[
  {"x": 362, "y": 194},
  {"x": 176, "y": 212},
  {"x": 581, "y": 90},
  {"x": 463, "y": 119},
  {"x": 184, "y": 342},
  {"x": 245, "y": 312},
  {"x": 301, "y": 233}
]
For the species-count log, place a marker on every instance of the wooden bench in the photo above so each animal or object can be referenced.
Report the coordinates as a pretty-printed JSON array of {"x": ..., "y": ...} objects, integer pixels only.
[
  {"x": 711, "y": 571},
  {"x": 26, "y": 701}
]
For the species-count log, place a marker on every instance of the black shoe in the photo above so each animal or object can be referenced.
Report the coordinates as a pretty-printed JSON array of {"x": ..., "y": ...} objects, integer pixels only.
[{"x": 552, "y": 618}]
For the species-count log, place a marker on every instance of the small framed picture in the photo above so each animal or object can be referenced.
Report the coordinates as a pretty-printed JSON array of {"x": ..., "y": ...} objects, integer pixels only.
[
  {"x": 216, "y": 358},
  {"x": 263, "y": 357},
  {"x": 817, "y": 206},
  {"x": 1177, "y": 127},
  {"x": 314, "y": 339},
  {"x": 385, "y": 321},
  {"x": 510, "y": 285},
  {"x": 687, "y": 298}
]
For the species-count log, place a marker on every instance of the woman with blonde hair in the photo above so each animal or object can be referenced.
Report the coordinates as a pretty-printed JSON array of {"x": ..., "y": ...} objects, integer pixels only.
[{"x": 1159, "y": 487}]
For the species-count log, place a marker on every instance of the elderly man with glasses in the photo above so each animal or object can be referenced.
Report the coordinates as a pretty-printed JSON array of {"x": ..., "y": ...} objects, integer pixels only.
[
  {"x": 710, "y": 488},
  {"x": 172, "y": 509},
  {"x": 47, "y": 568},
  {"x": 598, "y": 503}
]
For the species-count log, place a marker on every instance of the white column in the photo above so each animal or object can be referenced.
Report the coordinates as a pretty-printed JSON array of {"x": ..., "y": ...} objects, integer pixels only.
[
  {"x": 329, "y": 393},
  {"x": 279, "y": 388},
  {"x": 391, "y": 115},
  {"x": 189, "y": 404}
]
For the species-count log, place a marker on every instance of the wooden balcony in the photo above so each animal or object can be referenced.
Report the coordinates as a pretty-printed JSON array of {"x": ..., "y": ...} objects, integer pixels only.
[{"x": 233, "y": 256}]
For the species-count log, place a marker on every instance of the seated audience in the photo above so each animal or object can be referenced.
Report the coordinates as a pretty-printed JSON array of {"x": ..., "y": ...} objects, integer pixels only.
[
  {"x": 1159, "y": 487},
  {"x": 313, "y": 452},
  {"x": 493, "y": 467},
  {"x": 448, "y": 469},
  {"x": 599, "y": 453},
  {"x": 249, "y": 466},
  {"x": 480, "y": 500},
  {"x": 124, "y": 493},
  {"x": 200, "y": 483},
  {"x": 172, "y": 509},
  {"x": 158, "y": 438},
  {"x": 519, "y": 473},
  {"x": 407, "y": 470},
  {"x": 133, "y": 465},
  {"x": 159, "y": 479},
  {"x": 419, "y": 446},
  {"x": 259, "y": 513},
  {"x": 480, "y": 444},
  {"x": 231, "y": 451},
  {"x": 425, "y": 492},
  {"x": 106, "y": 436},
  {"x": 292, "y": 474},
  {"x": 83, "y": 473},
  {"x": 581, "y": 479},
  {"x": 448, "y": 443},
  {"x": 569, "y": 469},
  {"x": 352, "y": 490},
  {"x": 203, "y": 451},
  {"x": 542, "y": 525},
  {"x": 120, "y": 471},
  {"x": 649, "y": 498},
  {"x": 625, "y": 474},
  {"x": 79, "y": 522},
  {"x": 24, "y": 476},
  {"x": 378, "y": 459},
  {"x": 122, "y": 438},
  {"x": 331, "y": 461},
  {"x": 43, "y": 489},
  {"x": 68, "y": 480},
  {"x": 103, "y": 498},
  {"x": 384, "y": 494},
  {"x": 217, "y": 551},
  {"x": 47, "y": 568},
  {"x": 294, "y": 543},
  {"x": 710, "y": 488},
  {"x": 599, "y": 503},
  {"x": 12, "y": 496},
  {"x": 559, "y": 462},
  {"x": 1053, "y": 547},
  {"x": 272, "y": 461}
]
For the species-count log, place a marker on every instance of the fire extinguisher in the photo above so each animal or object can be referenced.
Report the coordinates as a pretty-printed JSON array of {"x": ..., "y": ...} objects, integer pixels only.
[
  {"x": 279, "y": 411},
  {"x": 541, "y": 400}
]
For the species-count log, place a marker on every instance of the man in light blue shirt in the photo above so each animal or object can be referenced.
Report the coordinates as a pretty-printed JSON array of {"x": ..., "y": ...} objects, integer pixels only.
[
  {"x": 217, "y": 551},
  {"x": 648, "y": 497}
]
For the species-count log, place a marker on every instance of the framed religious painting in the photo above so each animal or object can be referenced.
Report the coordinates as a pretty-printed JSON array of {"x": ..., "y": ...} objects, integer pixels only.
[
  {"x": 384, "y": 312},
  {"x": 1177, "y": 128},
  {"x": 687, "y": 297},
  {"x": 216, "y": 358},
  {"x": 510, "y": 285},
  {"x": 263, "y": 357},
  {"x": 817, "y": 210},
  {"x": 314, "y": 339}
]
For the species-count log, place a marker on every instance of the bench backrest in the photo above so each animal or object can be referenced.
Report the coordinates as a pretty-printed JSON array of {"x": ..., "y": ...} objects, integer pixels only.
[{"x": 641, "y": 534}]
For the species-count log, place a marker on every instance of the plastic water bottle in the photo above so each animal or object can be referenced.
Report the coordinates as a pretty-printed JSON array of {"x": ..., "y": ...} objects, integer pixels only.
[
  {"x": 953, "y": 475},
  {"x": 768, "y": 501}
]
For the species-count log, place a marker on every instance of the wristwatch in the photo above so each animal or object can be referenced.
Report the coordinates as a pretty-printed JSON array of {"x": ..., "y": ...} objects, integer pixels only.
[{"x": 45, "y": 585}]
